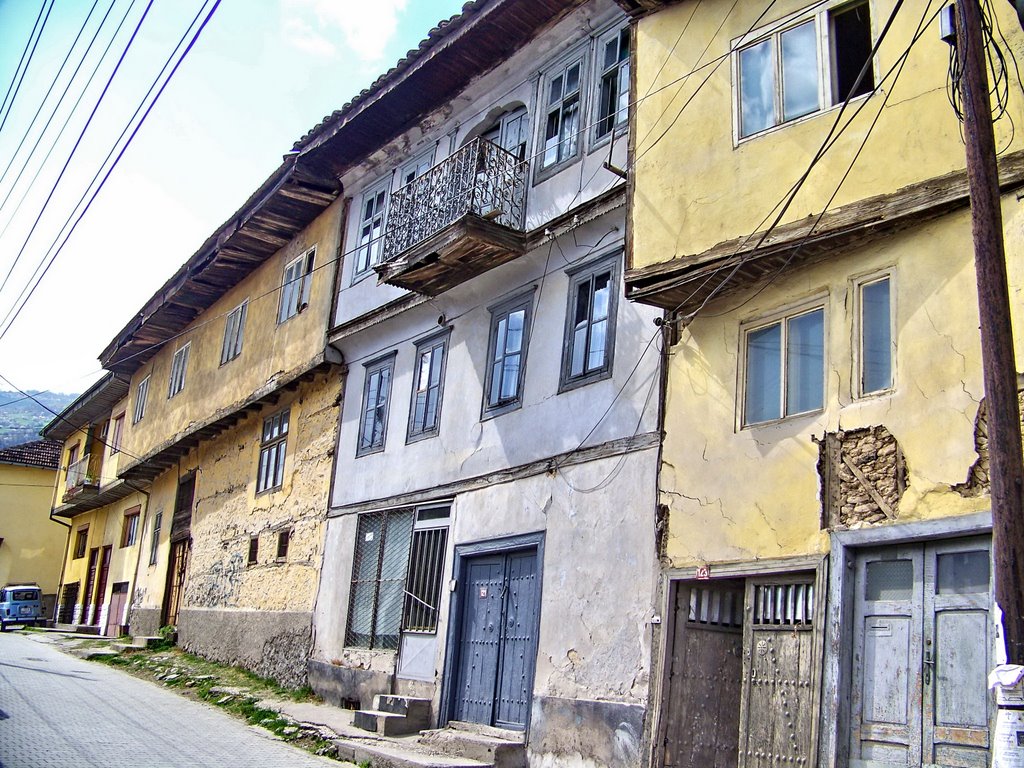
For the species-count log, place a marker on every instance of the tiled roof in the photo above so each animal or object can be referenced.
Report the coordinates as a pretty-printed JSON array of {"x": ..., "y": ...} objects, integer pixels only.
[{"x": 39, "y": 453}]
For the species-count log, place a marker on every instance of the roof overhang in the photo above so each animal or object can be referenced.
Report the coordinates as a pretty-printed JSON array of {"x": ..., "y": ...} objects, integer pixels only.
[
  {"x": 287, "y": 202},
  {"x": 108, "y": 494},
  {"x": 93, "y": 405}
]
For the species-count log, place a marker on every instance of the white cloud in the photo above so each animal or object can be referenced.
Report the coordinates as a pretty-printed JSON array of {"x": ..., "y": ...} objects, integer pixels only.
[{"x": 363, "y": 26}]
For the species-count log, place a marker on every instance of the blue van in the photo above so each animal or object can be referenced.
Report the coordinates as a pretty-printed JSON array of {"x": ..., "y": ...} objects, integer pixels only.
[{"x": 21, "y": 604}]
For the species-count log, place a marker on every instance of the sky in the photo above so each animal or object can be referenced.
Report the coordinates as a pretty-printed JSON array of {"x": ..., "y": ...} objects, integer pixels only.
[{"x": 260, "y": 74}]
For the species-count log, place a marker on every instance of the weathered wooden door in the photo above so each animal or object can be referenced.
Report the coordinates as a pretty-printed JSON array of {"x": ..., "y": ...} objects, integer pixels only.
[
  {"x": 176, "y": 569},
  {"x": 777, "y": 704},
  {"x": 921, "y": 654},
  {"x": 701, "y": 727},
  {"x": 497, "y": 648},
  {"x": 101, "y": 585},
  {"x": 118, "y": 600},
  {"x": 90, "y": 583}
]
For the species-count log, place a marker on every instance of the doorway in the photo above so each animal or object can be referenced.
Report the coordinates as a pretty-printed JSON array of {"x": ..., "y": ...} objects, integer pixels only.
[{"x": 495, "y": 638}]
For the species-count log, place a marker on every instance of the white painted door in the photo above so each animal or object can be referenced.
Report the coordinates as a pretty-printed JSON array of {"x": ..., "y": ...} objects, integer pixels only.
[{"x": 921, "y": 653}]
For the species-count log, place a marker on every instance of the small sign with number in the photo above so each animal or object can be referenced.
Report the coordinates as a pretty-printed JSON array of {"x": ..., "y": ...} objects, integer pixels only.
[
  {"x": 483, "y": 591},
  {"x": 703, "y": 573}
]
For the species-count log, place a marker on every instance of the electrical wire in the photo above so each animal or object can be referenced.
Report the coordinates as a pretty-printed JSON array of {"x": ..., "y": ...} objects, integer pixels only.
[{"x": 30, "y": 49}]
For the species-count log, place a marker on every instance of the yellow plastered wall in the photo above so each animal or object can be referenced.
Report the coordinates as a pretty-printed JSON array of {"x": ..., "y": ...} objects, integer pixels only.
[
  {"x": 33, "y": 545},
  {"x": 696, "y": 186},
  {"x": 740, "y": 493},
  {"x": 269, "y": 351}
]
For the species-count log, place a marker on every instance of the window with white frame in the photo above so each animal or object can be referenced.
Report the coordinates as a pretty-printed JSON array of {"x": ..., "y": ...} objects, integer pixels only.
[
  {"x": 371, "y": 228},
  {"x": 804, "y": 65},
  {"x": 373, "y": 421},
  {"x": 510, "y": 132},
  {"x": 295, "y": 286},
  {"x": 427, "y": 387},
  {"x": 179, "y": 367},
  {"x": 613, "y": 82},
  {"x": 273, "y": 449},
  {"x": 234, "y": 327},
  {"x": 141, "y": 394},
  {"x": 416, "y": 167},
  {"x": 117, "y": 434},
  {"x": 154, "y": 540},
  {"x": 875, "y": 348},
  {"x": 506, "y": 358},
  {"x": 561, "y": 111},
  {"x": 784, "y": 366},
  {"x": 590, "y": 323}
]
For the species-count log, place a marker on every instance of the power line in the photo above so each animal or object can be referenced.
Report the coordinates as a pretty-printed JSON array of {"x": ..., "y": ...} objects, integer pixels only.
[
  {"x": 24, "y": 53},
  {"x": 28, "y": 63}
]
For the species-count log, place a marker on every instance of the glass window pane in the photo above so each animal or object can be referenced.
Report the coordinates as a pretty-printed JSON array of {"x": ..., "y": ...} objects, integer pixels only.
[
  {"x": 579, "y": 349},
  {"x": 510, "y": 377},
  {"x": 597, "y": 345},
  {"x": 963, "y": 573},
  {"x": 601, "y": 284},
  {"x": 876, "y": 337},
  {"x": 572, "y": 79},
  {"x": 805, "y": 362},
  {"x": 555, "y": 94},
  {"x": 799, "y": 71},
  {"x": 757, "y": 90},
  {"x": 514, "y": 340},
  {"x": 764, "y": 374},
  {"x": 889, "y": 580}
]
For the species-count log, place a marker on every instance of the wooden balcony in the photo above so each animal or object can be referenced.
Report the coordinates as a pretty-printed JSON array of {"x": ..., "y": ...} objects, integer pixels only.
[
  {"x": 79, "y": 481},
  {"x": 459, "y": 219}
]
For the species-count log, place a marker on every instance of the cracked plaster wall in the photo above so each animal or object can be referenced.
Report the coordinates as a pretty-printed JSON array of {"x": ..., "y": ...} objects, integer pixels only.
[{"x": 743, "y": 493}]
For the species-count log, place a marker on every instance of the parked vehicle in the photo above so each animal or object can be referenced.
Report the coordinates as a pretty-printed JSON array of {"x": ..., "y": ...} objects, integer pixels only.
[{"x": 21, "y": 604}]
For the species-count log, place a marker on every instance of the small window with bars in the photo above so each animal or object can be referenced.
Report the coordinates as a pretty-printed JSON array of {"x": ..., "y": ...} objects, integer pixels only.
[
  {"x": 716, "y": 606},
  {"x": 783, "y": 605}
]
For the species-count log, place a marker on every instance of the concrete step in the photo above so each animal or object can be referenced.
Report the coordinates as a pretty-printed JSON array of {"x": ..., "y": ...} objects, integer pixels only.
[
  {"x": 392, "y": 754},
  {"x": 382, "y": 723},
  {"x": 496, "y": 746},
  {"x": 93, "y": 653},
  {"x": 403, "y": 705},
  {"x": 394, "y": 715}
]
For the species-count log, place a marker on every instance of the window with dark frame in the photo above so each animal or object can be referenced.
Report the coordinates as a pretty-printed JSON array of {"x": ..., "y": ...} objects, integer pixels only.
[
  {"x": 179, "y": 367},
  {"x": 117, "y": 434},
  {"x": 371, "y": 228},
  {"x": 397, "y": 575},
  {"x": 428, "y": 387},
  {"x": 784, "y": 367},
  {"x": 590, "y": 323},
  {"x": 234, "y": 328},
  {"x": 81, "y": 542},
  {"x": 373, "y": 422},
  {"x": 295, "y": 286},
  {"x": 780, "y": 76},
  {"x": 613, "y": 83},
  {"x": 562, "y": 114},
  {"x": 509, "y": 338},
  {"x": 273, "y": 448},
  {"x": 254, "y": 550},
  {"x": 154, "y": 543},
  {"x": 283, "y": 539},
  {"x": 141, "y": 394},
  {"x": 130, "y": 527}
]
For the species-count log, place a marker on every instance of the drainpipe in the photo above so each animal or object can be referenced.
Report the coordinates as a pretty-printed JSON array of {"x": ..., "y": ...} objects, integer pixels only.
[{"x": 138, "y": 556}]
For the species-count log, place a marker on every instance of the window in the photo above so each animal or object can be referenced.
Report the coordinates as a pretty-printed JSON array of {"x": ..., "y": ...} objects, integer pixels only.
[
  {"x": 283, "y": 538},
  {"x": 510, "y": 132},
  {"x": 416, "y": 167},
  {"x": 154, "y": 543},
  {"x": 116, "y": 434},
  {"x": 427, "y": 388},
  {"x": 397, "y": 575},
  {"x": 179, "y": 365},
  {"x": 81, "y": 539},
  {"x": 506, "y": 356},
  {"x": 875, "y": 343},
  {"x": 254, "y": 550},
  {"x": 234, "y": 326},
  {"x": 373, "y": 422},
  {"x": 130, "y": 527},
  {"x": 590, "y": 324},
  {"x": 141, "y": 393},
  {"x": 273, "y": 445},
  {"x": 613, "y": 85},
  {"x": 295, "y": 286},
  {"x": 562, "y": 114},
  {"x": 786, "y": 74},
  {"x": 371, "y": 228},
  {"x": 784, "y": 367}
]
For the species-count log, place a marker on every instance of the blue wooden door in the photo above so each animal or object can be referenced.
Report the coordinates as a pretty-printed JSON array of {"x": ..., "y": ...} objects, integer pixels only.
[{"x": 498, "y": 641}]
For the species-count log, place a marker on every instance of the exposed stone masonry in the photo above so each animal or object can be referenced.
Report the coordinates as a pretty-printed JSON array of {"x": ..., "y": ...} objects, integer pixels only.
[{"x": 863, "y": 476}]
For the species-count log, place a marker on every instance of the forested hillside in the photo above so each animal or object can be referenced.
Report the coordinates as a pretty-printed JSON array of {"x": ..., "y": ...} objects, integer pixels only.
[{"x": 21, "y": 417}]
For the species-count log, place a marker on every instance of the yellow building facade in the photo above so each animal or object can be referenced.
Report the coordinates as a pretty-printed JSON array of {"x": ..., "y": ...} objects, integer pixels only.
[
  {"x": 799, "y": 210},
  {"x": 31, "y": 545}
]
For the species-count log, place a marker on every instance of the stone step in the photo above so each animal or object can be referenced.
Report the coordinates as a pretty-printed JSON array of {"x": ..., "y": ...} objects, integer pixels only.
[
  {"x": 497, "y": 746},
  {"x": 383, "y": 723},
  {"x": 93, "y": 653},
  {"x": 399, "y": 755},
  {"x": 403, "y": 705},
  {"x": 142, "y": 641}
]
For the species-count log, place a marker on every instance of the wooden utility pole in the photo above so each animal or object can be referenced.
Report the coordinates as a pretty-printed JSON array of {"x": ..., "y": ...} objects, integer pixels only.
[{"x": 1006, "y": 473}]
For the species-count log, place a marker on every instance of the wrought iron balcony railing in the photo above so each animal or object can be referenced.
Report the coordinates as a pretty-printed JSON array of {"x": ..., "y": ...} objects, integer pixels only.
[
  {"x": 78, "y": 476},
  {"x": 481, "y": 178}
]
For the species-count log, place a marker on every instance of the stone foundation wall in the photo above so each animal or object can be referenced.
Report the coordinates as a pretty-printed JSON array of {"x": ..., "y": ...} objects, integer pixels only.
[
  {"x": 347, "y": 686},
  {"x": 580, "y": 732},
  {"x": 144, "y": 622},
  {"x": 272, "y": 644}
]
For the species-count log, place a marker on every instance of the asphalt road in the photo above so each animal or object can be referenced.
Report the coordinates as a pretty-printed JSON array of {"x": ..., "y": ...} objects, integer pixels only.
[{"x": 60, "y": 711}]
